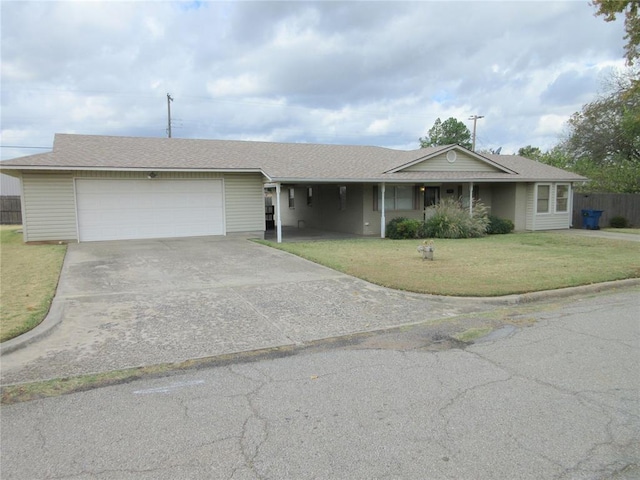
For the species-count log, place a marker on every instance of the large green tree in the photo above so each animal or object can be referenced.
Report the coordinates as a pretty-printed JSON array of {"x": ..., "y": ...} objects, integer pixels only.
[
  {"x": 533, "y": 153},
  {"x": 607, "y": 130},
  {"x": 622, "y": 176},
  {"x": 451, "y": 131},
  {"x": 631, "y": 9},
  {"x": 603, "y": 139}
]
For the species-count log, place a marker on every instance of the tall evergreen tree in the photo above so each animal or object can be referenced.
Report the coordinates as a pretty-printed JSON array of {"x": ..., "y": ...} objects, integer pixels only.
[{"x": 451, "y": 131}]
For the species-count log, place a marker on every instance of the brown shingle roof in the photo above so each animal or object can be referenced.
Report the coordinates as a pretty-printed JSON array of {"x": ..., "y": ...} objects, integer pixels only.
[{"x": 278, "y": 161}]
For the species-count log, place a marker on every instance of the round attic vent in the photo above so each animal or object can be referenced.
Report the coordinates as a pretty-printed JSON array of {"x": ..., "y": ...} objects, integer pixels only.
[{"x": 451, "y": 156}]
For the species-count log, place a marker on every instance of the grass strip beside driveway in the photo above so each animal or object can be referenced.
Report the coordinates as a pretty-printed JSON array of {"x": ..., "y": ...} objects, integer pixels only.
[
  {"x": 490, "y": 266},
  {"x": 28, "y": 280}
]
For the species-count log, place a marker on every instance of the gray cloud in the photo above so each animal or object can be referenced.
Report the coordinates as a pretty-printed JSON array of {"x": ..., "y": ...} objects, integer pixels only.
[
  {"x": 571, "y": 87},
  {"x": 337, "y": 72}
]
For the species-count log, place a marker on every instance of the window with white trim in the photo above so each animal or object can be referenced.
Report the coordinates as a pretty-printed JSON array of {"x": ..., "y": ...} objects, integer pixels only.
[
  {"x": 292, "y": 200},
  {"x": 562, "y": 198},
  {"x": 543, "y": 194},
  {"x": 400, "y": 197}
]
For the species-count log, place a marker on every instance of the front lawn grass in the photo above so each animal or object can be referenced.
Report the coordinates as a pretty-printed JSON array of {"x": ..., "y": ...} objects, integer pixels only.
[
  {"x": 489, "y": 266},
  {"x": 28, "y": 280}
]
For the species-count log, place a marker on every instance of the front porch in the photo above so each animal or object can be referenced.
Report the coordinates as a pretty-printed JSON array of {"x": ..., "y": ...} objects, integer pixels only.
[{"x": 353, "y": 210}]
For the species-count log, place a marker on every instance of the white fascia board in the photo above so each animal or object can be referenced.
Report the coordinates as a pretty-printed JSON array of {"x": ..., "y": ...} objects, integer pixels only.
[
  {"x": 386, "y": 180},
  {"x": 133, "y": 169},
  {"x": 331, "y": 180},
  {"x": 417, "y": 180},
  {"x": 419, "y": 159}
]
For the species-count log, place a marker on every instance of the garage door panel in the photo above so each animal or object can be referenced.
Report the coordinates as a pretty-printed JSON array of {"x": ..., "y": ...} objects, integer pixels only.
[{"x": 128, "y": 209}]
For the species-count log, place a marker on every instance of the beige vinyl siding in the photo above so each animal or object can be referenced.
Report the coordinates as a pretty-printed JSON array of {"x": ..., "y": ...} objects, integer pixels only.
[
  {"x": 463, "y": 163},
  {"x": 503, "y": 198},
  {"x": 509, "y": 201},
  {"x": 530, "y": 207},
  {"x": 48, "y": 207},
  {"x": 554, "y": 221},
  {"x": 520, "y": 207},
  {"x": 244, "y": 203},
  {"x": 49, "y": 204},
  {"x": 545, "y": 221}
]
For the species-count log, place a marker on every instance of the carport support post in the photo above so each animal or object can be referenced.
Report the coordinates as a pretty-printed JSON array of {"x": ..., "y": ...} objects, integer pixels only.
[
  {"x": 383, "y": 221},
  {"x": 278, "y": 221},
  {"x": 570, "y": 207},
  {"x": 471, "y": 199}
]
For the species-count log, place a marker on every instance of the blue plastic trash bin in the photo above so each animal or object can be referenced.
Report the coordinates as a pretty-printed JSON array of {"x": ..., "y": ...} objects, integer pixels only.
[{"x": 591, "y": 219}]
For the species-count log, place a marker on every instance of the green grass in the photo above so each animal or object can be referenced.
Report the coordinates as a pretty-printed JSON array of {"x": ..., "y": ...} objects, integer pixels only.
[
  {"x": 28, "y": 280},
  {"x": 489, "y": 266}
]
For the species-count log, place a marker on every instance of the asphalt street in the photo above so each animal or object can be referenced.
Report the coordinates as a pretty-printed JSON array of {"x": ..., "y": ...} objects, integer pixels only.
[{"x": 555, "y": 396}]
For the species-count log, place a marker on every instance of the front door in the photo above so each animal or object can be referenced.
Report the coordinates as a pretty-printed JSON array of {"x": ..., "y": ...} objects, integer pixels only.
[{"x": 431, "y": 196}]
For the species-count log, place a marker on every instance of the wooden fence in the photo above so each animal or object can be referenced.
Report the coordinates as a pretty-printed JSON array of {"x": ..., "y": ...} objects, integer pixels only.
[
  {"x": 625, "y": 205},
  {"x": 10, "y": 212}
]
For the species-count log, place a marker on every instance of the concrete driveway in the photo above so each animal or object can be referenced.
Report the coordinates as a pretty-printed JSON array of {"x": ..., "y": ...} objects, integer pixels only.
[{"x": 133, "y": 303}]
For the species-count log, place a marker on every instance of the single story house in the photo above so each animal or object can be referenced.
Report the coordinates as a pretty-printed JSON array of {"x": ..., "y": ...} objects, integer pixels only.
[{"x": 106, "y": 188}]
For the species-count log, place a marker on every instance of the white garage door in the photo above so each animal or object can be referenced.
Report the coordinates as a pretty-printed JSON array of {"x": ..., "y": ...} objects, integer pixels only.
[{"x": 127, "y": 209}]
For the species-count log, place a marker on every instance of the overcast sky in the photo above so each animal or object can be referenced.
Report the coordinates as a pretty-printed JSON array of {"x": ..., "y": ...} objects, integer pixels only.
[{"x": 340, "y": 72}]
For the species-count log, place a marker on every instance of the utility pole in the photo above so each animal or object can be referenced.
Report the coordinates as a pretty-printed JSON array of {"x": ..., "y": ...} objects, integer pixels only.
[
  {"x": 475, "y": 119},
  {"x": 169, "y": 100}
]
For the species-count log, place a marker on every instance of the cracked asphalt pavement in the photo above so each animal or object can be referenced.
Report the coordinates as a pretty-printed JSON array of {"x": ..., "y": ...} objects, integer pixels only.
[{"x": 555, "y": 398}]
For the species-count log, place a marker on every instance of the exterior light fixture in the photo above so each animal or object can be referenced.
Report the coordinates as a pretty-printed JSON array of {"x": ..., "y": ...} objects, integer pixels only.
[{"x": 152, "y": 175}]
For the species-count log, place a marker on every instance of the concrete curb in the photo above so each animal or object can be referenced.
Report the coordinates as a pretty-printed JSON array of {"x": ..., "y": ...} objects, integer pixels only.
[
  {"x": 52, "y": 320},
  {"x": 54, "y": 317},
  {"x": 566, "y": 292}
]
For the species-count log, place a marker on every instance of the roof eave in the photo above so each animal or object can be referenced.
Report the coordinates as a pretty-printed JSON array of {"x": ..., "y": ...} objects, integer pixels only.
[
  {"x": 325, "y": 180},
  {"x": 68, "y": 168},
  {"x": 420, "y": 159}
]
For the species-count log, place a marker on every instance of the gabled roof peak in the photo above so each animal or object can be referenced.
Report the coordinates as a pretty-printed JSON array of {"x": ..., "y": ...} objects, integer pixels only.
[{"x": 432, "y": 152}]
